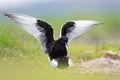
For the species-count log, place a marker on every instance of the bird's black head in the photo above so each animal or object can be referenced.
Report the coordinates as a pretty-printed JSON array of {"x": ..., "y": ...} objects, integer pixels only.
[{"x": 64, "y": 39}]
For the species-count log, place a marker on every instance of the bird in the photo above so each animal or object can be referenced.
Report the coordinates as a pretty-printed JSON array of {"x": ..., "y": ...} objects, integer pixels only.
[{"x": 43, "y": 32}]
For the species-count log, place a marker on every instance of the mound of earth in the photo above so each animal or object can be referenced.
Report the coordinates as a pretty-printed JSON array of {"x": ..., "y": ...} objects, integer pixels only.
[{"x": 109, "y": 63}]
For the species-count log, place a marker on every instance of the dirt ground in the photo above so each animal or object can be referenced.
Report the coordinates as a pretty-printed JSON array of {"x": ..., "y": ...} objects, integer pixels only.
[{"x": 109, "y": 63}]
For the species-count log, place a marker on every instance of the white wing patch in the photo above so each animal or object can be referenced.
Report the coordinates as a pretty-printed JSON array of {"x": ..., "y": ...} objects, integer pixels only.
[
  {"x": 28, "y": 23},
  {"x": 81, "y": 27}
]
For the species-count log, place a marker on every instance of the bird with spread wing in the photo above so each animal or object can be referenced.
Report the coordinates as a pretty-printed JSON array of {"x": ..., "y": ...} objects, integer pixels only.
[{"x": 43, "y": 32}]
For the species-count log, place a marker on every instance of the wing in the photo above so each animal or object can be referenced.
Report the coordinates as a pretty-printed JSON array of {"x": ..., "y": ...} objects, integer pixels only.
[
  {"x": 41, "y": 30},
  {"x": 73, "y": 29}
]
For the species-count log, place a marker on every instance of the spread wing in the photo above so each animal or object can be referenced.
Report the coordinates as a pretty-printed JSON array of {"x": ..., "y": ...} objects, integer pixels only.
[
  {"x": 73, "y": 29},
  {"x": 41, "y": 30}
]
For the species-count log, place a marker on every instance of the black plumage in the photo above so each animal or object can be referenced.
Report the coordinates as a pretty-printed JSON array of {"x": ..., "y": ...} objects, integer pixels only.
[
  {"x": 59, "y": 49},
  {"x": 55, "y": 49},
  {"x": 43, "y": 32}
]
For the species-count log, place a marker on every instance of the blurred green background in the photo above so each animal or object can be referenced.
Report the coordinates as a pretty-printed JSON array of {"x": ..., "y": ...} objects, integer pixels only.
[{"x": 21, "y": 56}]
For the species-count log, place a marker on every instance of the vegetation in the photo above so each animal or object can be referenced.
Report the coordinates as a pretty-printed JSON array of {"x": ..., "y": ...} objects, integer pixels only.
[{"x": 21, "y": 56}]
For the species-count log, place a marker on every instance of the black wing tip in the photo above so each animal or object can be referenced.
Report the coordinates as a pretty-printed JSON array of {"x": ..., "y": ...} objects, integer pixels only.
[
  {"x": 7, "y": 14},
  {"x": 101, "y": 23}
]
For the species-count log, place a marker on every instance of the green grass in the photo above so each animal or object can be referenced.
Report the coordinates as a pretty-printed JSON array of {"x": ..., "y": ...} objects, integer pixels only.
[
  {"x": 24, "y": 69},
  {"x": 21, "y": 56}
]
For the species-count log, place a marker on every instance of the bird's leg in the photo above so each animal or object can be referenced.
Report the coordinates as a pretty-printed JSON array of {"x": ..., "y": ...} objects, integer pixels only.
[{"x": 70, "y": 63}]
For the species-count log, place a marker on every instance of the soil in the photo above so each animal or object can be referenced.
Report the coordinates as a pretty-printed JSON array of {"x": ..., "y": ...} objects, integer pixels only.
[{"x": 109, "y": 63}]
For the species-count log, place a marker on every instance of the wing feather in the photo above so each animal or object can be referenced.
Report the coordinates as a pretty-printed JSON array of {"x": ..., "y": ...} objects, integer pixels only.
[
  {"x": 73, "y": 29},
  {"x": 41, "y": 30}
]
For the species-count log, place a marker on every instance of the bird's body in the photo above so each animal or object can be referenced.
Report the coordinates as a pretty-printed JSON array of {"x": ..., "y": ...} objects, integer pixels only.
[
  {"x": 58, "y": 50},
  {"x": 55, "y": 48},
  {"x": 43, "y": 32}
]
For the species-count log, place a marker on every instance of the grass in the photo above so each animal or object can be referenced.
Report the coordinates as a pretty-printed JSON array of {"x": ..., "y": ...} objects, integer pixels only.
[{"x": 21, "y": 57}]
